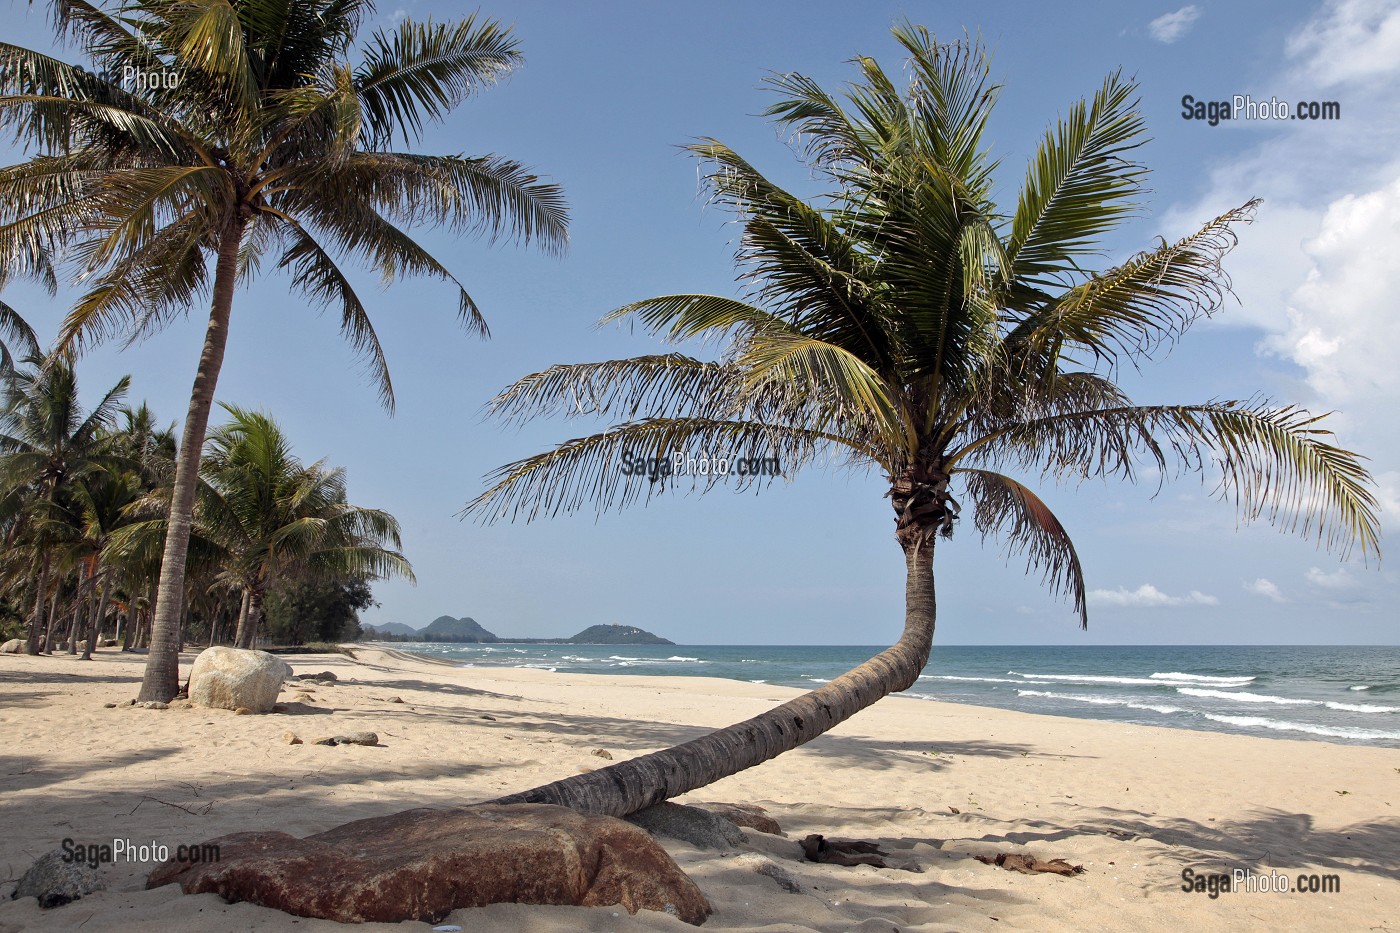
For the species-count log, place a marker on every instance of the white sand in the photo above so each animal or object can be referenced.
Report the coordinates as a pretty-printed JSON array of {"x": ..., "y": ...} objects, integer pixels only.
[{"x": 1134, "y": 805}]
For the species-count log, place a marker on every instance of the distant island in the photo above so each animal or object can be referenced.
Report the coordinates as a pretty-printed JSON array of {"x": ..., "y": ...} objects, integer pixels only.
[{"x": 467, "y": 630}]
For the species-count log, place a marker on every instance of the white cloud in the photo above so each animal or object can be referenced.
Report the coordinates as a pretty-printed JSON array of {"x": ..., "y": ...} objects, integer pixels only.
[
  {"x": 1148, "y": 595},
  {"x": 1344, "y": 308},
  {"x": 1266, "y": 588},
  {"x": 1350, "y": 40},
  {"x": 1172, "y": 26},
  {"x": 1339, "y": 579}
]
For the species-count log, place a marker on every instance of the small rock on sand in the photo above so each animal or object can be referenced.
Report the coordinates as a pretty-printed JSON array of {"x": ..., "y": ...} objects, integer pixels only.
[
  {"x": 56, "y": 882},
  {"x": 358, "y": 738},
  {"x": 349, "y": 738},
  {"x": 601, "y": 753},
  {"x": 395, "y": 699},
  {"x": 243, "y": 711},
  {"x": 488, "y": 716},
  {"x": 291, "y": 738}
]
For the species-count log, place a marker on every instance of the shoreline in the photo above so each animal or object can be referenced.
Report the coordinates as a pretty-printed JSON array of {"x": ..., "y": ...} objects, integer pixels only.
[
  {"x": 1194, "y": 702},
  {"x": 1134, "y": 804}
]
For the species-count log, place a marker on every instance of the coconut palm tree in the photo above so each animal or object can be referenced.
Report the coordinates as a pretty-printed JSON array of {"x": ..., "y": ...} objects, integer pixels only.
[
  {"x": 254, "y": 136},
  {"x": 269, "y": 517},
  {"x": 47, "y": 445},
  {"x": 907, "y": 324}
]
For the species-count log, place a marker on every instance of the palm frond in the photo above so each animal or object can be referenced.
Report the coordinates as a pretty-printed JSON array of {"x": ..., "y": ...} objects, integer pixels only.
[
  {"x": 1274, "y": 462},
  {"x": 424, "y": 70},
  {"x": 588, "y": 471},
  {"x": 15, "y": 330},
  {"x": 319, "y": 278},
  {"x": 1130, "y": 309},
  {"x": 660, "y": 385},
  {"x": 1007, "y": 509},
  {"x": 1079, "y": 185}
]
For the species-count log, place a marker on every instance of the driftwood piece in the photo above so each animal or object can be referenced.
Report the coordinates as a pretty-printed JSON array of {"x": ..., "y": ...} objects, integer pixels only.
[
  {"x": 1030, "y": 865},
  {"x": 818, "y": 848}
]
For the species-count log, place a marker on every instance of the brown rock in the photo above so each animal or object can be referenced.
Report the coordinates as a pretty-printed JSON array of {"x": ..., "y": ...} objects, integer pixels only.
[
  {"x": 357, "y": 738},
  {"x": 748, "y": 815},
  {"x": 243, "y": 711},
  {"x": 601, "y": 753},
  {"x": 291, "y": 738},
  {"x": 422, "y": 864},
  {"x": 395, "y": 699}
]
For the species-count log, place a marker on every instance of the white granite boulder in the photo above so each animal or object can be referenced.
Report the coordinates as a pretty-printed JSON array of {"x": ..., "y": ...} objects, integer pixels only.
[
  {"x": 13, "y": 646},
  {"x": 230, "y": 678}
]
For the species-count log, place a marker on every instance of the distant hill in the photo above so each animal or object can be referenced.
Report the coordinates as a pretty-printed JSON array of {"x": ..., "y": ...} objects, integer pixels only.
[
  {"x": 617, "y": 635},
  {"x": 393, "y": 628},
  {"x": 468, "y": 630},
  {"x": 465, "y": 629}
]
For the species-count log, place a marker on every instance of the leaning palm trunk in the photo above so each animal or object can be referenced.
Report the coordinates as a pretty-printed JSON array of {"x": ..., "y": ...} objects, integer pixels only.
[
  {"x": 633, "y": 785},
  {"x": 162, "y": 678}
]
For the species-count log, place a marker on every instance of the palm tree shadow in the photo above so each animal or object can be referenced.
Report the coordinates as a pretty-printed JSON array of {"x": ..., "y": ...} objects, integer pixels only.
[
  {"x": 19, "y": 773},
  {"x": 1271, "y": 839}
]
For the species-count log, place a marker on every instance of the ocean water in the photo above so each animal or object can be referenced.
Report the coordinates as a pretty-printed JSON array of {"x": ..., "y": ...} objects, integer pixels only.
[{"x": 1333, "y": 694}]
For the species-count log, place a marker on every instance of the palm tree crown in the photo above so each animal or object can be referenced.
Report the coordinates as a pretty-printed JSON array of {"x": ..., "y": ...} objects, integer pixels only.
[
  {"x": 907, "y": 323},
  {"x": 263, "y": 129}
]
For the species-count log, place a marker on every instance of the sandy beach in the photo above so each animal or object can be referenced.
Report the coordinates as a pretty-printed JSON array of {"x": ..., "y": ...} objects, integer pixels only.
[{"x": 934, "y": 784}]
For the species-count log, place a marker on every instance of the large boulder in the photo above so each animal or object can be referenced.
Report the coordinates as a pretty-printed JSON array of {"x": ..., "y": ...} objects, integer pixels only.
[
  {"x": 13, "y": 646},
  {"x": 57, "y": 879},
  {"x": 423, "y": 864},
  {"x": 230, "y": 678}
]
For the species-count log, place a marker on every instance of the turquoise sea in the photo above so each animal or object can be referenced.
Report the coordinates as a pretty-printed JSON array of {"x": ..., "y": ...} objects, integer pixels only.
[{"x": 1333, "y": 694}]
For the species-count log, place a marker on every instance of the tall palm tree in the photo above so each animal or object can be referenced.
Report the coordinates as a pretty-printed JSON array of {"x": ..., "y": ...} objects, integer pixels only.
[
  {"x": 47, "y": 444},
  {"x": 258, "y": 138},
  {"x": 268, "y": 516},
  {"x": 907, "y": 324}
]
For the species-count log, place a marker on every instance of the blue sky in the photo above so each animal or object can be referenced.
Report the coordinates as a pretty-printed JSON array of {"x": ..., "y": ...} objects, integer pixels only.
[{"x": 611, "y": 89}]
